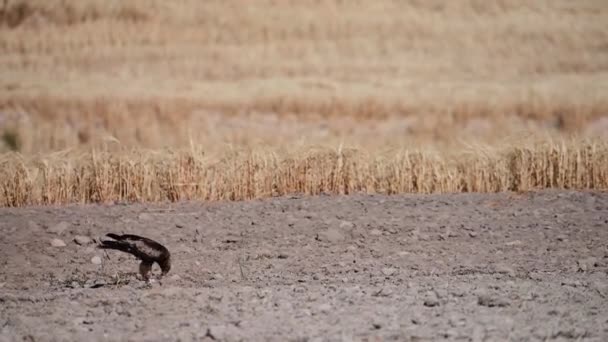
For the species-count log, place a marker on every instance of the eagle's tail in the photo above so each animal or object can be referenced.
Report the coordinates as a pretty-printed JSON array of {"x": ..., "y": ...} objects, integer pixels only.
[{"x": 113, "y": 236}]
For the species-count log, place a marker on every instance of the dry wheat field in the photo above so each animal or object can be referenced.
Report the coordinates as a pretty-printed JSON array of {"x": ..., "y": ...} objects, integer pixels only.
[
  {"x": 321, "y": 170},
  {"x": 152, "y": 100}
]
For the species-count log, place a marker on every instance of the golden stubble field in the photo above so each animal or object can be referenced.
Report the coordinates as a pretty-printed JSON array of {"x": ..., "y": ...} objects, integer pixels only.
[{"x": 152, "y": 100}]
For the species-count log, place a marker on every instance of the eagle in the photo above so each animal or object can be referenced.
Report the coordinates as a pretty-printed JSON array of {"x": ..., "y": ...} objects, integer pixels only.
[{"x": 144, "y": 249}]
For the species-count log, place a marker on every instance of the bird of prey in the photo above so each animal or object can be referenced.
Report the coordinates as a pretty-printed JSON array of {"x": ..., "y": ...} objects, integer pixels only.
[{"x": 144, "y": 249}]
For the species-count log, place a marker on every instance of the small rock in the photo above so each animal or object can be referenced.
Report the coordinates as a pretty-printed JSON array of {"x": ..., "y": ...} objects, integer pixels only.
[
  {"x": 456, "y": 321},
  {"x": 586, "y": 264},
  {"x": 324, "y": 308},
  {"x": 217, "y": 332},
  {"x": 457, "y": 292},
  {"x": 145, "y": 217},
  {"x": 505, "y": 269},
  {"x": 389, "y": 271},
  {"x": 96, "y": 260},
  {"x": 180, "y": 226},
  {"x": 57, "y": 243},
  {"x": 514, "y": 243},
  {"x": 82, "y": 240},
  {"x": 95, "y": 283},
  {"x": 431, "y": 299},
  {"x": 217, "y": 276},
  {"x": 175, "y": 277},
  {"x": 384, "y": 292},
  {"x": 375, "y": 232},
  {"x": 472, "y": 234},
  {"x": 283, "y": 255},
  {"x": 346, "y": 225},
  {"x": 59, "y": 228},
  {"x": 422, "y": 237},
  {"x": 486, "y": 299},
  {"x": 332, "y": 235},
  {"x": 561, "y": 238},
  {"x": 351, "y": 248}
]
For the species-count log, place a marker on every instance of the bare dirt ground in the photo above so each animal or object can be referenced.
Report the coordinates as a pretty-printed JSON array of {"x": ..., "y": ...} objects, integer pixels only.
[{"x": 468, "y": 267}]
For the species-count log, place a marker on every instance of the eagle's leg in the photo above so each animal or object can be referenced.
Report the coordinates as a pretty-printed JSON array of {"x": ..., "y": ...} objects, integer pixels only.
[{"x": 144, "y": 269}]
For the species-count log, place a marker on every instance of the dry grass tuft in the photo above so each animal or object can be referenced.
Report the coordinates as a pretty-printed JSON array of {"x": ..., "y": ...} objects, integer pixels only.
[{"x": 139, "y": 175}]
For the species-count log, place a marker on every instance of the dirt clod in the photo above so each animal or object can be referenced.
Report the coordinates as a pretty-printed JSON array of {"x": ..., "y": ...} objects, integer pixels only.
[
  {"x": 375, "y": 232},
  {"x": 491, "y": 300},
  {"x": 389, "y": 271},
  {"x": 431, "y": 299},
  {"x": 57, "y": 243},
  {"x": 332, "y": 235},
  {"x": 82, "y": 240},
  {"x": 59, "y": 228}
]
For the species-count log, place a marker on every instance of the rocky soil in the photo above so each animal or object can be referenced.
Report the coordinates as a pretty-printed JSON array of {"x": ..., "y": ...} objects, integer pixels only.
[{"x": 468, "y": 267}]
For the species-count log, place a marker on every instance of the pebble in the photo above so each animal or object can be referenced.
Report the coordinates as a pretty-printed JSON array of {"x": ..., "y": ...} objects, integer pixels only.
[
  {"x": 217, "y": 332},
  {"x": 96, "y": 260},
  {"x": 431, "y": 299},
  {"x": 32, "y": 225},
  {"x": 82, "y": 240},
  {"x": 505, "y": 269},
  {"x": 57, "y": 243},
  {"x": 324, "y": 308},
  {"x": 472, "y": 234},
  {"x": 346, "y": 225},
  {"x": 375, "y": 232},
  {"x": 423, "y": 237},
  {"x": 586, "y": 264},
  {"x": 144, "y": 217},
  {"x": 59, "y": 228},
  {"x": 486, "y": 299},
  {"x": 384, "y": 292},
  {"x": 332, "y": 235},
  {"x": 389, "y": 271}
]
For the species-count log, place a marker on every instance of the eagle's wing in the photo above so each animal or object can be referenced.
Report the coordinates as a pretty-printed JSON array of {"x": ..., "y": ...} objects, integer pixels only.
[{"x": 140, "y": 247}]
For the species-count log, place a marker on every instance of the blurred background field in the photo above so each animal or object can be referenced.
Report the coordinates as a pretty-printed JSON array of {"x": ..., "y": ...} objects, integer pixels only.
[{"x": 165, "y": 100}]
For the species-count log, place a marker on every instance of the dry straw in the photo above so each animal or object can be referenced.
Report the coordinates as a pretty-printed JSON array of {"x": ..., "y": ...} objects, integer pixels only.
[
  {"x": 141, "y": 175},
  {"x": 152, "y": 74}
]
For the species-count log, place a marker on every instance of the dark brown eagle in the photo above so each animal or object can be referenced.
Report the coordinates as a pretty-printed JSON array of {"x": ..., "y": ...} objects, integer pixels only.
[{"x": 144, "y": 249}]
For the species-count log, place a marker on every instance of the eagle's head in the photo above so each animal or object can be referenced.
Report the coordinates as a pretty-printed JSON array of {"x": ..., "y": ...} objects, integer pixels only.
[{"x": 165, "y": 265}]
